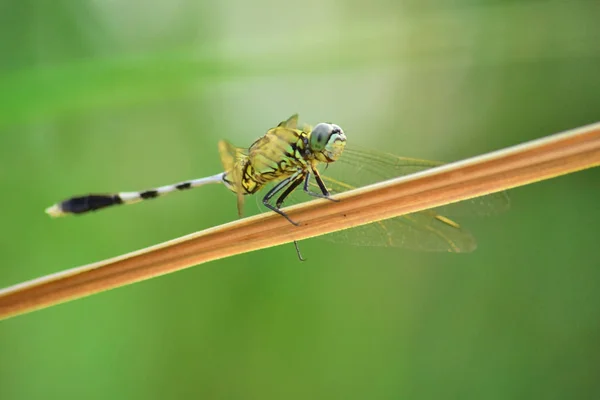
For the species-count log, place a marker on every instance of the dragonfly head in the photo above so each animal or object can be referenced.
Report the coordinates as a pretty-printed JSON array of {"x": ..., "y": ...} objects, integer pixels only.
[{"x": 327, "y": 142}]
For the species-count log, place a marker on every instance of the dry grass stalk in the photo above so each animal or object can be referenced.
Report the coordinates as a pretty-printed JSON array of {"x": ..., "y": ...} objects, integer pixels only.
[{"x": 515, "y": 166}]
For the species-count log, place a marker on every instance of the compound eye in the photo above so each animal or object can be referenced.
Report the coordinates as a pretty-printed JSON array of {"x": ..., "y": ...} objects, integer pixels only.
[{"x": 320, "y": 136}]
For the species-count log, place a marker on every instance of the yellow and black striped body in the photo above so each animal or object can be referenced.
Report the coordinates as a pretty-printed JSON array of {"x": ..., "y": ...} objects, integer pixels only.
[
  {"x": 286, "y": 156},
  {"x": 280, "y": 153}
]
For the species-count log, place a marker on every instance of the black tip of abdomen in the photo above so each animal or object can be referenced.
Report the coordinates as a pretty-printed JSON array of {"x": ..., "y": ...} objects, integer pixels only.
[{"x": 79, "y": 205}]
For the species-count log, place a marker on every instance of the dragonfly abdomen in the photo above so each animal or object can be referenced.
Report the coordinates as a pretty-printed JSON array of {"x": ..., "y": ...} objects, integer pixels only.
[{"x": 93, "y": 202}]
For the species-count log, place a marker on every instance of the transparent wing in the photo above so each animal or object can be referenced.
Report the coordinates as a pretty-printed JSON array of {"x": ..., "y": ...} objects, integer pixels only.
[
  {"x": 230, "y": 157},
  {"x": 418, "y": 231},
  {"x": 360, "y": 167},
  {"x": 428, "y": 230},
  {"x": 291, "y": 122}
]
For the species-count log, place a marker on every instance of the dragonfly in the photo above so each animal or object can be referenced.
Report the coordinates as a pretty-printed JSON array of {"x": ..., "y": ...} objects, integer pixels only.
[{"x": 288, "y": 157}]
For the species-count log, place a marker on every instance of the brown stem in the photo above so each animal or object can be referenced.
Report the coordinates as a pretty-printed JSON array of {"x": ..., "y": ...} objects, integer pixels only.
[{"x": 515, "y": 166}]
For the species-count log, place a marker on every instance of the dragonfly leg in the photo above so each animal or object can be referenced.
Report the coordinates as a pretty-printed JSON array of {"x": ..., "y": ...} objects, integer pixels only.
[
  {"x": 298, "y": 251},
  {"x": 288, "y": 190},
  {"x": 276, "y": 190},
  {"x": 324, "y": 192}
]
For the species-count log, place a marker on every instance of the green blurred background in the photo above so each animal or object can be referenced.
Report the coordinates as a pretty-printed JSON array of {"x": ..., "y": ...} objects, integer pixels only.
[{"x": 102, "y": 95}]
